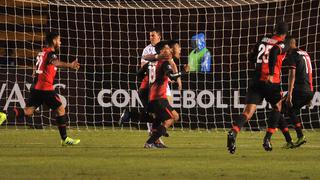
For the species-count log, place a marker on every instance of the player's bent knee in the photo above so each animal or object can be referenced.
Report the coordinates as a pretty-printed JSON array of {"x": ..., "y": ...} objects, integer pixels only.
[{"x": 249, "y": 110}]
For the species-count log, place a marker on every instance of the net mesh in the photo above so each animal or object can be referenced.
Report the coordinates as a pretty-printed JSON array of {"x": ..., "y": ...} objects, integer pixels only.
[{"x": 108, "y": 38}]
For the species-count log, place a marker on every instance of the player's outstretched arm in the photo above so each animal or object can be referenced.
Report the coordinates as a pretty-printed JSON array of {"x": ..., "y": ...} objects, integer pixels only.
[
  {"x": 74, "y": 65},
  {"x": 154, "y": 57}
]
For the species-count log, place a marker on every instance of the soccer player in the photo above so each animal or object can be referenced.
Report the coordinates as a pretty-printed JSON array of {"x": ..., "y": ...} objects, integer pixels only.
[
  {"x": 42, "y": 91},
  {"x": 155, "y": 37},
  {"x": 175, "y": 53},
  {"x": 149, "y": 54},
  {"x": 267, "y": 55},
  {"x": 159, "y": 73},
  {"x": 300, "y": 88}
]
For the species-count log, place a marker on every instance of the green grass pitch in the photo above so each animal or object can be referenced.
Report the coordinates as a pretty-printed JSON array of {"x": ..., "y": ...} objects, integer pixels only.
[{"x": 118, "y": 154}]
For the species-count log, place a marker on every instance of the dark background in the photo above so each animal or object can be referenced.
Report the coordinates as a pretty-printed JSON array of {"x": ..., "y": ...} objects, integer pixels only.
[{"x": 108, "y": 43}]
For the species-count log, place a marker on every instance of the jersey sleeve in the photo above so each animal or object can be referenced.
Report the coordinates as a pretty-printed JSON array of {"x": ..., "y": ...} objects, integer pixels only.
[
  {"x": 146, "y": 51},
  {"x": 274, "y": 52},
  {"x": 291, "y": 61},
  {"x": 51, "y": 57},
  {"x": 166, "y": 67}
]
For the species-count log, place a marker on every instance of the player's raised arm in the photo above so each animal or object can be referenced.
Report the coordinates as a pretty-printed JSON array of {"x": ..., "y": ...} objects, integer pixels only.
[
  {"x": 54, "y": 43},
  {"x": 173, "y": 65},
  {"x": 73, "y": 65},
  {"x": 154, "y": 57},
  {"x": 176, "y": 52}
]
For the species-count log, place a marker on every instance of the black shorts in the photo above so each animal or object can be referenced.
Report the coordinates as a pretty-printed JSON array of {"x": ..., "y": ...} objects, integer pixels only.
[
  {"x": 144, "y": 96},
  {"x": 257, "y": 91},
  {"x": 49, "y": 98},
  {"x": 162, "y": 109}
]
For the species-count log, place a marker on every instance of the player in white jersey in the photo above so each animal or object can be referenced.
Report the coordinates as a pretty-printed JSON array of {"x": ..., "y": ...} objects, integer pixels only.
[{"x": 155, "y": 37}]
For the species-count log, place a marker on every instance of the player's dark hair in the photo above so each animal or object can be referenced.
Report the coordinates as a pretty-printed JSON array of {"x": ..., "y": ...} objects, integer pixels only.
[
  {"x": 158, "y": 31},
  {"x": 160, "y": 45},
  {"x": 287, "y": 42},
  {"x": 281, "y": 28},
  {"x": 172, "y": 42},
  {"x": 50, "y": 37}
]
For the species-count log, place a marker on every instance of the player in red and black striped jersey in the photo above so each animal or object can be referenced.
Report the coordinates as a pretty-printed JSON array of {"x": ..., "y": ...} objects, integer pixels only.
[
  {"x": 300, "y": 88},
  {"x": 144, "y": 115},
  {"x": 42, "y": 91},
  {"x": 159, "y": 73},
  {"x": 149, "y": 55},
  {"x": 267, "y": 56}
]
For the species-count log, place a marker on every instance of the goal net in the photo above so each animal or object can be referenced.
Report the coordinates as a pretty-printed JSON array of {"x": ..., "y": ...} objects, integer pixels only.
[{"x": 108, "y": 37}]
